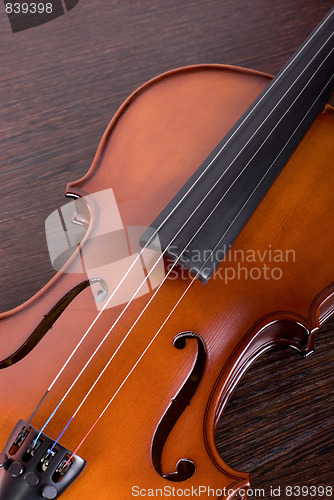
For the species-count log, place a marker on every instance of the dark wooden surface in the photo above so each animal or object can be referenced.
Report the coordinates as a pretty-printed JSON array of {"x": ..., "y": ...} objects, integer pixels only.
[{"x": 60, "y": 84}]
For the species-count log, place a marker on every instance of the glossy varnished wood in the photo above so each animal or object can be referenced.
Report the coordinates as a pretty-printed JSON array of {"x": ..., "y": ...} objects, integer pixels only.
[
  {"x": 75, "y": 128},
  {"x": 232, "y": 319}
]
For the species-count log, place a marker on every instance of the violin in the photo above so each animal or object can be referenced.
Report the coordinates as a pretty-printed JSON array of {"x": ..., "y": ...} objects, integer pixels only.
[{"x": 185, "y": 255}]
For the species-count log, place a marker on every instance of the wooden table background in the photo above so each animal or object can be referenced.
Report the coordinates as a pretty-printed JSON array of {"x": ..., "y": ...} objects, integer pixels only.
[{"x": 60, "y": 84}]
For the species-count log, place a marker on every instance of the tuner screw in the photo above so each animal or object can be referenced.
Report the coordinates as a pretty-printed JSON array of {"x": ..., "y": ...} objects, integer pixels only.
[
  {"x": 3, "y": 459},
  {"x": 49, "y": 492},
  {"x": 31, "y": 479},
  {"x": 15, "y": 469}
]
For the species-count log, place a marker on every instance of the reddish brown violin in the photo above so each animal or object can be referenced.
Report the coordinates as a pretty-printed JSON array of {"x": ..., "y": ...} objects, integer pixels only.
[{"x": 187, "y": 253}]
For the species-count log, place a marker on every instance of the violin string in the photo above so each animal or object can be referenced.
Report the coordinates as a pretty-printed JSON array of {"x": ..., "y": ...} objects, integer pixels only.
[
  {"x": 91, "y": 326},
  {"x": 142, "y": 312},
  {"x": 181, "y": 200},
  {"x": 186, "y": 290},
  {"x": 208, "y": 217},
  {"x": 183, "y": 294},
  {"x": 62, "y": 400}
]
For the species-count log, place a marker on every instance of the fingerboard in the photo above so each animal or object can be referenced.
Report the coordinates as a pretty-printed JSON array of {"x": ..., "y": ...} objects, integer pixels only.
[{"x": 211, "y": 209}]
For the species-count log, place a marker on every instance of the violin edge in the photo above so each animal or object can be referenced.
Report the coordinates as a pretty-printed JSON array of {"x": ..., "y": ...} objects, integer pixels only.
[
  {"x": 76, "y": 189},
  {"x": 279, "y": 329}
]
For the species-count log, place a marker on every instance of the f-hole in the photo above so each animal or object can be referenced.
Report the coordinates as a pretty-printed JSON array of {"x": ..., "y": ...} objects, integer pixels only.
[{"x": 185, "y": 467}]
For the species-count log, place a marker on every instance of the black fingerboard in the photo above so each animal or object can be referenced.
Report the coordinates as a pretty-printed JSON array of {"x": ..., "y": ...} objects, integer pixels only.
[{"x": 202, "y": 221}]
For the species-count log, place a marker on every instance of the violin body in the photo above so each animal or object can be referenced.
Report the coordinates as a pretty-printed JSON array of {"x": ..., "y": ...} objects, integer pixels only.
[{"x": 152, "y": 146}]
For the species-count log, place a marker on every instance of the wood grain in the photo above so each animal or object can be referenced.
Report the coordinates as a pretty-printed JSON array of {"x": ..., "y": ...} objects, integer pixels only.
[{"x": 59, "y": 86}]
